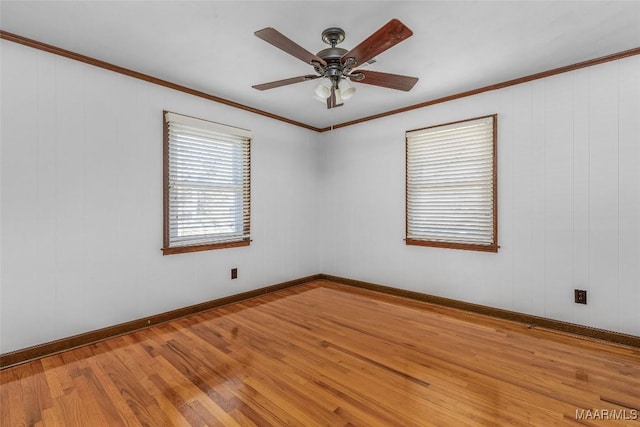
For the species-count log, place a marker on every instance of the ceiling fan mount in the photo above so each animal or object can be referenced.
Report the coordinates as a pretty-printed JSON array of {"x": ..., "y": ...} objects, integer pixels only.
[
  {"x": 335, "y": 64},
  {"x": 333, "y": 36}
]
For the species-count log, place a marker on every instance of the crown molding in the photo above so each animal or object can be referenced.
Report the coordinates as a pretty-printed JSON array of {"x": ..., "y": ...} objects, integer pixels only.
[
  {"x": 513, "y": 82},
  {"x": 145, "y": 77}
]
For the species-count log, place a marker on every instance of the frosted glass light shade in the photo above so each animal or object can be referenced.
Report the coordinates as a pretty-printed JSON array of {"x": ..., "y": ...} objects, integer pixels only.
[
  {"x": 346, "y": 89},
  {"x": 323, "y": 90}
]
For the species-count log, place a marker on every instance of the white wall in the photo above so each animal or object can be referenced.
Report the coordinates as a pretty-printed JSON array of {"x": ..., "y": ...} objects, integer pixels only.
[
  {"x": 569, "y": 201},
  {"x": 81, "y": 202}
]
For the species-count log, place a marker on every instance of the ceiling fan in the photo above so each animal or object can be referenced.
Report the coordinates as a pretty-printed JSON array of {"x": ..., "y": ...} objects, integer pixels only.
[{"x": 336, "y": 65}]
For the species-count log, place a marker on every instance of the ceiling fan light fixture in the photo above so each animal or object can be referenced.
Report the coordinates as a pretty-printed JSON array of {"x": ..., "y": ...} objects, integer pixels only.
[{"x": 344, "y": 91}]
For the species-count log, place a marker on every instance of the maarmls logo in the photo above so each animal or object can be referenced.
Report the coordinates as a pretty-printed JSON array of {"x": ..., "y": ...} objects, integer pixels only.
[{"x": 607, "y": 414}]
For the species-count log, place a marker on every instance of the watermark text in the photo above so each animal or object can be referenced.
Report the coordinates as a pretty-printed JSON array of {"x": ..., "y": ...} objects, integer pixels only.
[{"x": 607, "y": 414}]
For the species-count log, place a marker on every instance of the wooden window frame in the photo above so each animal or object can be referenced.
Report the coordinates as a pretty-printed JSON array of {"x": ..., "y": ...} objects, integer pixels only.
[
  {"x": 170, "y": 250},
  {"x": 493, "y": 247}
]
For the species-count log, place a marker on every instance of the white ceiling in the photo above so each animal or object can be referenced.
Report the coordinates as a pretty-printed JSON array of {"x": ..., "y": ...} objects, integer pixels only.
[{"x": 210, "y": 46}]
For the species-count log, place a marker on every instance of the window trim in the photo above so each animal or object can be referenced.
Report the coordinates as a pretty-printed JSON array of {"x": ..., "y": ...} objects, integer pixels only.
[
  {"x": 493, "y": 247},
  {"x": 170, "y": 250}
]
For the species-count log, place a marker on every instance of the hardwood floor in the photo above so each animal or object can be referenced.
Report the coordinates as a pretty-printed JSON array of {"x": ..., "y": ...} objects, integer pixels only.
[{"x": 328, "y": 354}]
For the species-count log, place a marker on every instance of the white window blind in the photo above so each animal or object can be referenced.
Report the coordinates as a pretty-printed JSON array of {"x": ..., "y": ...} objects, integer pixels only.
[
  {"x": 207, "y": 182},
  {"x": 451, "y": 186}
]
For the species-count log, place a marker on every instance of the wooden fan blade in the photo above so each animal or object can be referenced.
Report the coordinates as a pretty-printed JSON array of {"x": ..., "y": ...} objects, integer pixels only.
[
  {"x": 391, "y": 81},
  {"x": 390, "y": 34},
  {"x": 332, "y": 101},
  {"x": 276, "y": 38},
  {"x": 284, "y": 82}
]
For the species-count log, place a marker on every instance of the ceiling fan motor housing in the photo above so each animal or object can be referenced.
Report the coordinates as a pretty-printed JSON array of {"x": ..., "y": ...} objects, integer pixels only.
[{"x": 331, "y": 56}]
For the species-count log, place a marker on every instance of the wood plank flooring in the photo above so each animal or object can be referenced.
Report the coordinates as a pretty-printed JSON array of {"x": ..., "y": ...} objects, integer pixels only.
[{"x": 325, "y": 354}]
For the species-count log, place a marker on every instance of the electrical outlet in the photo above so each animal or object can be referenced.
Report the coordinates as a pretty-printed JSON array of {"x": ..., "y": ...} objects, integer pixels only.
[
  {"x": 234, "y": 273},
  {"x": 580, "y": 296}
]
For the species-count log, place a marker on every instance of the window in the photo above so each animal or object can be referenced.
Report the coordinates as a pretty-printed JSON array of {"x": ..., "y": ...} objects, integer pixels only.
[
  {"x": 451, "y": 188},
  {"x": 206, "y": 185}
]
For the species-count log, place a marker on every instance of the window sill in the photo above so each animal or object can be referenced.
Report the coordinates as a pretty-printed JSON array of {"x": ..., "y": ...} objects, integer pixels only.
[
  {"x": 209, "y": 247},
  {"x": 463, "y": 246}
]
